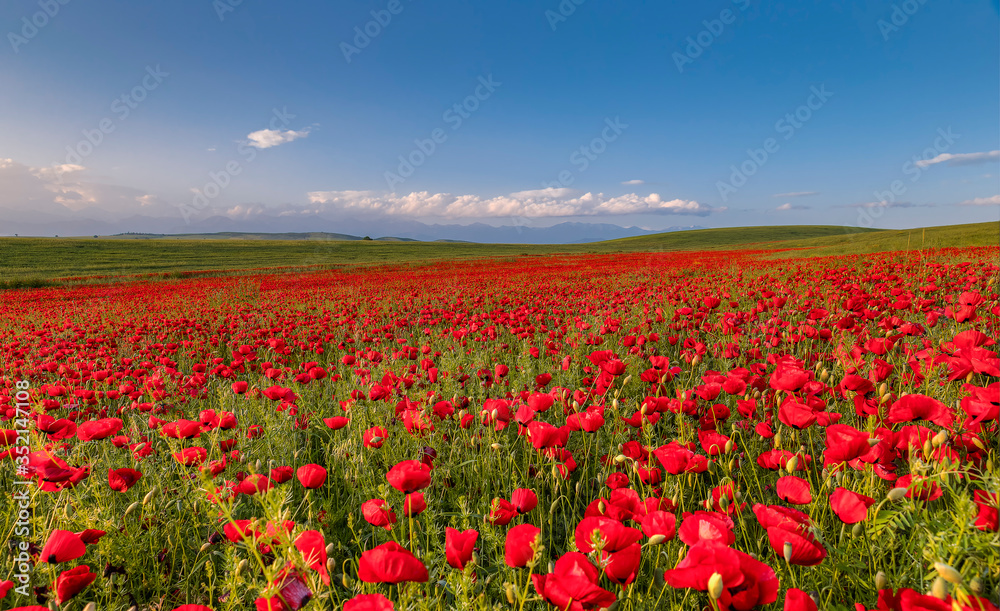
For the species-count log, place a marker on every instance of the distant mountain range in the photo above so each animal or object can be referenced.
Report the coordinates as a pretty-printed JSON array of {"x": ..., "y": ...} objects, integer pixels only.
[{"x": 317, "y": 227}]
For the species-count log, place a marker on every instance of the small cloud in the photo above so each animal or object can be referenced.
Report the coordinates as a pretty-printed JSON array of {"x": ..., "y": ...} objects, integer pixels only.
[
  {"x": 210, "y": 149},
  {"x": 982, "y": 201},
  {"x": 266, "y": 138},
  {"x": 789, "y": 206},
  {"x": 796, "y": 194},
  {"x": 634, "y": 182},
  {"x": 890, "y": 205},
  {"x": 961, "y": 158}
]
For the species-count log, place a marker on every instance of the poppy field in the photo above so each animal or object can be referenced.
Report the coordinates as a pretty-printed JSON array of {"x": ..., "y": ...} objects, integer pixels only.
[{"x": 698, "y": 430}]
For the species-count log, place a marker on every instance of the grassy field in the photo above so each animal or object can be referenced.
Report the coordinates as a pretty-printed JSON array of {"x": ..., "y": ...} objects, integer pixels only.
[{"x": 40, "y": 261}]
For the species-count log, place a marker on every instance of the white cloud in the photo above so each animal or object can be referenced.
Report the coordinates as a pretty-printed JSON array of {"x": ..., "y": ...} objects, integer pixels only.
[
  {"x": 796, "y": 194},
  {"x": 266, "y": 138},
  {"x": 530, "y": 204},
  {"x": 789, "y": 206},
  {"x": 961, "y": 158},
  {"x": 634, "y": 182},
  {"x": 982, "y": 201}
]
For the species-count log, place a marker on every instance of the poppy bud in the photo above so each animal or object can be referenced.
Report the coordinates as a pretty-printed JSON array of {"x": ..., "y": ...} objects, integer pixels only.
[
  {"x": 131, "y": 508},
  {"x": 656, "y": 539},
  {"x": 881, "y": 581},
  {"x": 882, "y": 389},
  {"x": 938, "y": 440},
  {"x": 715, "y": 586},
  {"x": 787, "y": 551},
  {"x": 239, "y": 567},
  {"x": 91, "y": 606},
  {"x": 792, "y": 463},
  {"x": 204, "y": 546},
  {"x": 938, "y": 589},
  {"x": 346, "y": 581},
  {"x": 729, "y": 446},
  {"x": 552, "y": 566},
  {"x": 330, "y": 549},
  {"x": 602, "y": 507},
  {"x": 824, "y": 376},
  {"x": 873, "y": 441},
  {"x": 948, "y": 573},
  {"x": 149, "y": 496},
  {"x": 858, "y": 530},
  {"x": 509, "y": 591},
  {"x": 614, "y": 403},
  {"x": 896, "y": 494},
  {"x": 496, "y": 446},
  {"x": 620, "y": 459},
  {"x": 777, "y": 439},
  {"x": 976, "y": 586}
]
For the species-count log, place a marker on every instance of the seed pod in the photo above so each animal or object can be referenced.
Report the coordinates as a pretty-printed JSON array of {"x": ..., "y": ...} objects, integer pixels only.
[
  {"x": 787, "y": 552},
  {"x": 948, "y": 573}
]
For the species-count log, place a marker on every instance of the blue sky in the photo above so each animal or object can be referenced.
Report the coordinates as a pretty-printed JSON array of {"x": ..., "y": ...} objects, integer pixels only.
[{"x": 647, "y": 114}]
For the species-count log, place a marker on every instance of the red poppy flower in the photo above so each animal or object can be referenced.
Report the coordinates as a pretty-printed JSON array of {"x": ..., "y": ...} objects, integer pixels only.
[
  {"x": 524, "y": 500},
  {"x": 920, "y": 487},
  {"x": 660, "y": 523},
  {"x": 544, "y": 435},
  {"x": 377, "y": 513},
  {"x": 369, "y": 602},
  {"x": 390, "y": 563},
  {"x": 806, "y": 550},
  {"x": 181, "y": 429},
  {"x": 121, "y": 480},
  {"x": 311, "y": 475},
  {"x": 844, "y": 443},
  {"x": 706, "y": 526},
  {"x": 414, "y": 504},
  {"x": 251, "y": 485},
  {"x": 240, "y": 387},
  {"x": 191, "y": 456},
  {"x": 987, "y": 518},
  {"x": 502, "y": 512},
  {"x": 93, "y": 430},
  {"x": 759, "y": 586},
  {"x": 613, "y": 534},
  {"x": 62, "y": 546},
  {"x": 409, "y": 476},
  {"x": 797, "y": 600},
  {"x": 72, "y": 582},
  {"x": 702, "y": 560},
  {"x": 850, "y": 506},
  {"x": 458, "y": 546},
  {"x": 573, "y": 585},
  {"x": 920, "y": 407},
  {"x": 280, "y": 475},
  {"x": 518, "y": 548},
  {"x": 337, "y": 422},
  {"x": 794, "y": 490},
  {"x": 313, "y": 548},
  {"x": 796, "y": 415},
  {"x": 622, "y": 566},
  {"x": 374, "y": 437}
]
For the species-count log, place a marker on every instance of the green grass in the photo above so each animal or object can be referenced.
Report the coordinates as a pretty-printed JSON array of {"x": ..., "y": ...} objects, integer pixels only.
[{"x": 31, "y": 261}]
